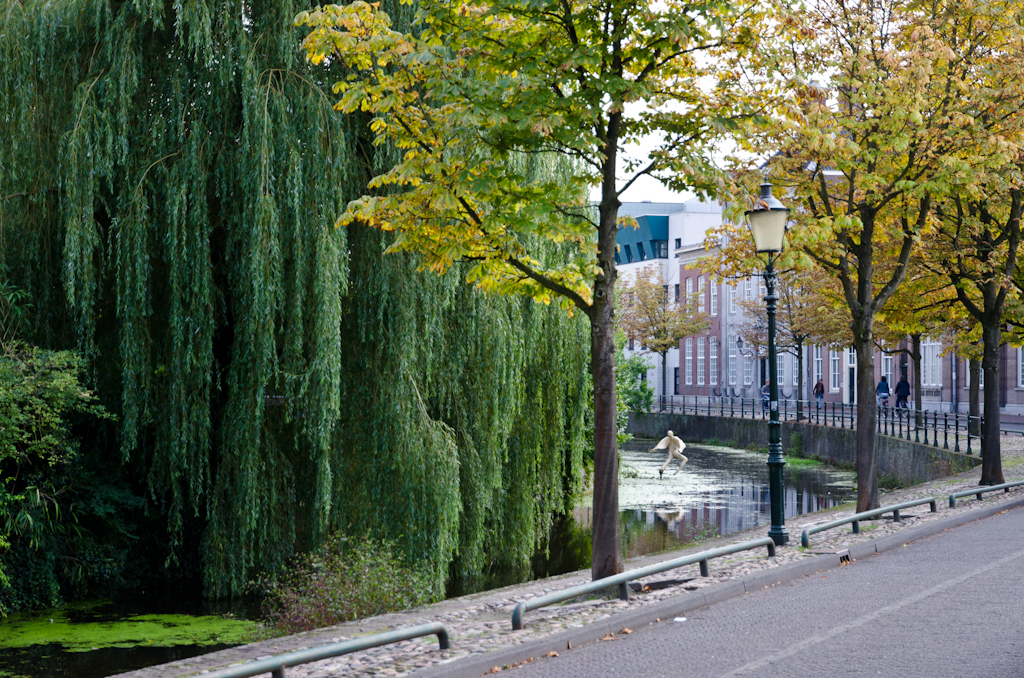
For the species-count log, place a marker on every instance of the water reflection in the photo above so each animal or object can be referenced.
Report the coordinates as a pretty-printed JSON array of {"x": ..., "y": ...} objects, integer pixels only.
[{"x": 720, "y": 491}]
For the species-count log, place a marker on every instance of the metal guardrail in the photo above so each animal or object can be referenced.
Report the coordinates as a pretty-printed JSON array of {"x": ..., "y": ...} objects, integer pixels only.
[
  {"x": 978, "y": 492},
  {"x": 623, "y": 579},
  {"x": 857, "y": 517},
  {"x": 277, "y": 664}
]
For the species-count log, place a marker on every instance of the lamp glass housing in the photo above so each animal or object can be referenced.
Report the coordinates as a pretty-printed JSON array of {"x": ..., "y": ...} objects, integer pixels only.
[
  {"x": 768, "y": 228},
  {"x": 768, "y": 224}
]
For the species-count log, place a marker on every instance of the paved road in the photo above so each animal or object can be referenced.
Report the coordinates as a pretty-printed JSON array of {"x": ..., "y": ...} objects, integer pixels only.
[{"x": 947, "y": 605}]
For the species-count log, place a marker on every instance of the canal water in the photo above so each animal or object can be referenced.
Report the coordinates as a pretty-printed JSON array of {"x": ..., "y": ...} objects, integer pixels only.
[{"x": 720, "y": 491}]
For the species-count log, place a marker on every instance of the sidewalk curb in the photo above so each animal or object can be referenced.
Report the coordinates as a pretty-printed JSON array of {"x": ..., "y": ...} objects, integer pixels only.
[{"x": 478, "y": 664}]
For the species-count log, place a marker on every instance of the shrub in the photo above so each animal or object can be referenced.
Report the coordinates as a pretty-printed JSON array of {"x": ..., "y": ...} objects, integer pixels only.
[{"x": 347, "y": 580}]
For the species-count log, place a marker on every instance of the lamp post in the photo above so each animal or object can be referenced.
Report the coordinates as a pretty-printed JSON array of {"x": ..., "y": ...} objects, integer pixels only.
[{"x": 768, "y": 229}]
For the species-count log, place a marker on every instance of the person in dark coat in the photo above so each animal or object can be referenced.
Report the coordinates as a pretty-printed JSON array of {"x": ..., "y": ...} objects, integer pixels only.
[
  {"x": 819, "y": 392},
  {"x": 902, "y": 392}
]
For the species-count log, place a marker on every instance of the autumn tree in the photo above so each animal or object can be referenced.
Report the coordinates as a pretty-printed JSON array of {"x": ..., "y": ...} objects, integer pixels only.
[
  {"x": 982, "y": 235},
  {"x": 657, "y": 321},
  {"x": 806, "y": 315},
  {"x": 483, "y": 82},
  {"x": 920, "y": 308},
  {"x": 892, "y": 129}
]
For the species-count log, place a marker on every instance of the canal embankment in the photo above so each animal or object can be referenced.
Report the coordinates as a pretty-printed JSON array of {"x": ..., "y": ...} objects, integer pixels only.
[{"x": 905, "y": 461}]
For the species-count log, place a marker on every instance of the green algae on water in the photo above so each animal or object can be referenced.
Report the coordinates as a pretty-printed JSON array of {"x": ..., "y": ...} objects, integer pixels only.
[{"x": 78, "y": 629}]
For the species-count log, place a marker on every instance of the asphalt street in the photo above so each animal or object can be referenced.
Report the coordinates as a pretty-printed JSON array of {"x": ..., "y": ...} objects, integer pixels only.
[{"x": 947, "y": 605}]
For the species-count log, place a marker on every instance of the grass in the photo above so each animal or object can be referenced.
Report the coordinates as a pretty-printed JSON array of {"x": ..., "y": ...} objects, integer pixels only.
[{"x": 800, "y": 462}]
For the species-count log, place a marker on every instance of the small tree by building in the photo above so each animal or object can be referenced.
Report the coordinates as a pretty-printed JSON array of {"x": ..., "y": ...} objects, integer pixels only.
[{"x": 650, "y": 316}]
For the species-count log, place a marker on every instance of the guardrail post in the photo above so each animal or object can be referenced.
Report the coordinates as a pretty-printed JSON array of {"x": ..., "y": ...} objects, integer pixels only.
[
  {"x": 277, "y": 673},
  {"x": 624, "y": 591},
  {"x": 896, "y": 515},
  {"x": 945, "y": 430},
  {"x": 517, "y": 616},
  {"x": 856, "y": 527},
  {"x": 978, "y": 496},
  {"x": 704, "y": 571},
  {"x": 932, "y": 506},
  {"x": 952, "y": 499}
]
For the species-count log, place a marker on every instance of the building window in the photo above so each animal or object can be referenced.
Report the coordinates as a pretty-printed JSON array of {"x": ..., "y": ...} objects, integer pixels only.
[
  {"x": 700, "y": 361},
  {"x": 834, "y": 359},
  {"x": 640, "y": 249},
  {"x": 689, "y": 289},
  {"x": 780, "y": 367},
  {"x": 748, "y": 370},
  {"x": 713, "y": 361},
  {"x": 851, "y": 357},
  {"x": 700, "y": 293},
  {"x": 762, "y": 291},
  {"x": 660, "y": 249},
  {"x": 732, "y": 298},
  {"x": 677, "y": 293},
  {"x": 629, "y": 255},
  {"x": 747, "y": 287},
  {"x": 631, "y": 344},
  {"x": 617, "y": 262},
  {"x": 676, "y": 372},
  {"x": 714, "y": 299},
  {"x": 887, "y": 369},
  {"x": 732, "y": 361},
  {"x": 679, "y": 243},
  {"x": 931, "y": 364},
  {"x": 796, "y": 372},
  {"x": 817, "y": 364},
  {"x": 689, "y": 361}
]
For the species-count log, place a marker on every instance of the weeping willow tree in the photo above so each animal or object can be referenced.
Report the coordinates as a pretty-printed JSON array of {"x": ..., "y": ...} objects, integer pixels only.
[{"x": 170, "y": 173}]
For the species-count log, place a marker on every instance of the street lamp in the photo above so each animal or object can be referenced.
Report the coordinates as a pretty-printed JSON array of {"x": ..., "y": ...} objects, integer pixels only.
[{"x": 768, "y": 228}]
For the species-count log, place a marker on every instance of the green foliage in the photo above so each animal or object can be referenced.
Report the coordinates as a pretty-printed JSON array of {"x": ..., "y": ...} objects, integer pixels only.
[
  {"x": 344, "y": 581},
  {"x": 62, "y": 526},
  {"x": 170, "y": 177},
  {"x": 634, "y": 395},
  {"x": 38, "y": 390}
]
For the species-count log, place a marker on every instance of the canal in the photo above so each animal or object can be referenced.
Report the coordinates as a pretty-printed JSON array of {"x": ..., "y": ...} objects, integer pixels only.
[{"x": 719, "y": 491}]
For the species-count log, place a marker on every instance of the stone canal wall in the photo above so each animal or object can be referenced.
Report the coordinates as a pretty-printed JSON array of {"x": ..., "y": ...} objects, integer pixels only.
[{"x": 909, "y": 462}]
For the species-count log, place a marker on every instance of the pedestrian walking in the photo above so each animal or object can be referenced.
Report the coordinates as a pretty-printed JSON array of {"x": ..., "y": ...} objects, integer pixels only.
[{"x": 819, "y": 392}]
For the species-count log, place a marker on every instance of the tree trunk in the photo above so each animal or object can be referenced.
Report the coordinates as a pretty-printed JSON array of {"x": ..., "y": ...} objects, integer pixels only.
[
  {"x": 867, "y": 418},
  {"x": 991, "y": 461},
  {"x": 915, "y": 355},
  {"x": 606, "y": 549},
  {"x": 973, "y": 400}
]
